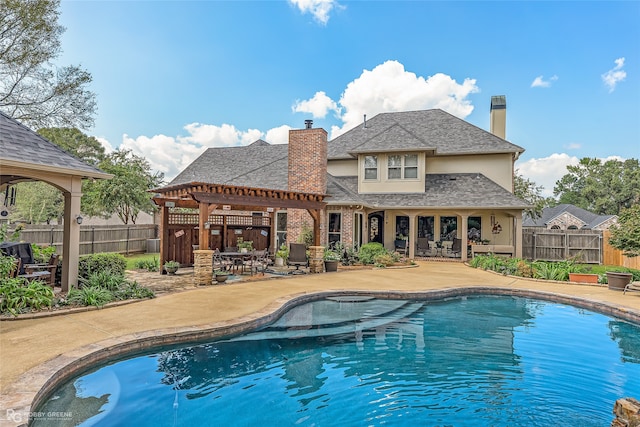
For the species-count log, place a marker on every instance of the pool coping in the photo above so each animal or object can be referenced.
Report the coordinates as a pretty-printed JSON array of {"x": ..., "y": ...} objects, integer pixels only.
[{"x": 36, "y": 384}]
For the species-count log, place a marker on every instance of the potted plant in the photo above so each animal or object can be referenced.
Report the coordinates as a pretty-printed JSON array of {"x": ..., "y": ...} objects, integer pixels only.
[
  {"x": 171, "y": 266},
  {"x": 281, "y": 255},
  {"x": 617, "y": 280},
  {"x": 244, "y": 246},
  {"x": 221, "y": 275},
  {"x": 331, "y": 258}
]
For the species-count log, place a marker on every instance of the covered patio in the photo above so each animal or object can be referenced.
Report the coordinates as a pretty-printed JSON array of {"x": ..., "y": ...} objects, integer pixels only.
[{"x": 26, "y": 156}]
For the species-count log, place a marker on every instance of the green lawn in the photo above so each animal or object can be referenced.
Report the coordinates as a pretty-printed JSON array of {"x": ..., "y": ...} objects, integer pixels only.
[{"x": 132, "y": 260}]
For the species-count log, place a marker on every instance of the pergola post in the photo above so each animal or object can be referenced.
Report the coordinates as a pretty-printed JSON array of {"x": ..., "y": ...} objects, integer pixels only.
[
  {"x": 315, "y": 214},
  {"x": 164, "y": 236},
  {"x": 203, "y": 219}
]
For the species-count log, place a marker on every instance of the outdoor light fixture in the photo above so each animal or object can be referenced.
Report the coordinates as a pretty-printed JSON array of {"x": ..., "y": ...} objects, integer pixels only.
[{"x": 79, "y": 219}]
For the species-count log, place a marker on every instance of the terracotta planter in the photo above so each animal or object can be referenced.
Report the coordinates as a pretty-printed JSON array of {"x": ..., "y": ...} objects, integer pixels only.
[
  {"x": 617, "y": 281},
  {"x": 583, "y": 278}
]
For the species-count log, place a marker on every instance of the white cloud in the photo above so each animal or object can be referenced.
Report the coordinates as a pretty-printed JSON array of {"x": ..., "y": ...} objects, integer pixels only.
[
  {"x": 320, "y": 9},
  {"x": 615, "y": 75},
  {"x": 540, "y": 82},
  {"x": 279, "y": 135},
  {"x": 547, "y": 170},
  {"x": 573, "y": 146},
  {"x": 388, "y": 87},
  {"x": 319, "y": 105},
  {"x": 108, "y": 148}
]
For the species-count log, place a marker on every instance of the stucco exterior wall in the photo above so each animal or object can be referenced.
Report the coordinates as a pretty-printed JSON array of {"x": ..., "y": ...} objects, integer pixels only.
[
  {"x": 496, "y": 167},
  {"x": 343, "y": 167},
  {"x": 385, "y": 185}
]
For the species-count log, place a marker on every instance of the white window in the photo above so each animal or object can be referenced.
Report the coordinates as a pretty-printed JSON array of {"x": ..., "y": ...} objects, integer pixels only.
[
  {"x": 403, "y": 167},
  {"x": 370, "y": 167}
]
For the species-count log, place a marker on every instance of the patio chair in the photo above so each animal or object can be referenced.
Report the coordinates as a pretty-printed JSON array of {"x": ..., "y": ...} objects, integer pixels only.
[
  {"x": 456, "y": 248},
  {"x": 632, "y": 287},
  {"x": 297, "y": 255},
  {"x": 446, "y": 247},
  {"x": 258, "y": 262},
  {"x": 422, "y": 247},
  {"x": 45, "y": 272},
  {"x": 219, "y": 261}
]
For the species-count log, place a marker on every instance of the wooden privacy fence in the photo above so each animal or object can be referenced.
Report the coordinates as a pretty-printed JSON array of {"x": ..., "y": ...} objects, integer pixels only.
[
  {"x": 557, "y": 245},
  {"x": 613, "y": 256},
  {"x": 125, "y": 239}
]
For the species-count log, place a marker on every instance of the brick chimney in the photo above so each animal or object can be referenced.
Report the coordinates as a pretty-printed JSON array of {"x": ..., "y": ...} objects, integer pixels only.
[
  {"x": 308, "y": 159},
  {"x": 307, "y": 173},
  {"x": 499, "y": 116}
]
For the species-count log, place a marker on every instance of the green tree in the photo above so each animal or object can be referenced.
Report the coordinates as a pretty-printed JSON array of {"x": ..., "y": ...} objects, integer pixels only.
[
  {"x": 603, "y": 188},
  {"x": 73, "y": 141},
  {"x": 626, "y": 234},
  {"x": 531, "y": 193},
  {"x": 37, "y": 203},
  {"x": 126, "y": 194},
  {"x": 32, "y": 89}
]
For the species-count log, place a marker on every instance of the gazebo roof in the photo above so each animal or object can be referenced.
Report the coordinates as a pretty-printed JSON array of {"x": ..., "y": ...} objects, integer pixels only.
[{"x": 21, "y": 147}]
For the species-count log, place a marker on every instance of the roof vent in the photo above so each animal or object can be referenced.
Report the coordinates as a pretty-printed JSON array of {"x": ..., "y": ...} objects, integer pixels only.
[
  {"x": 364, "y": 124},
  {"x": 308, "y": 124}
]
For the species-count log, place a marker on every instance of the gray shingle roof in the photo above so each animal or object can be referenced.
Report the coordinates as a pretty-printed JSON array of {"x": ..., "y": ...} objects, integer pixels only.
[
  {"x": 591, "y": 219},
  {"x": 461, "y": 190},
  {"x": 260, "y": 165},
  {"x": 426, "y": 130},
  {"x": 20, "y": 144}
]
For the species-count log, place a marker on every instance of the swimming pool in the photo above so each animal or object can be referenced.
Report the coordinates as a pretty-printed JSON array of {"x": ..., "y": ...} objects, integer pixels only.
[{"x": 354, "y": 361}]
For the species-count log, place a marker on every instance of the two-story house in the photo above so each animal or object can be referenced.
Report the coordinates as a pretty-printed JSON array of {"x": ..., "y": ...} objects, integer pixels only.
[{"x": 416, "y": 175}]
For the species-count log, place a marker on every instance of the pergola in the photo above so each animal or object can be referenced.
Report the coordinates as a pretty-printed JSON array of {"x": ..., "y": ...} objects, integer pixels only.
[
  {"x": 26, "y": 156},
  {"x": 207, "y": 197}
]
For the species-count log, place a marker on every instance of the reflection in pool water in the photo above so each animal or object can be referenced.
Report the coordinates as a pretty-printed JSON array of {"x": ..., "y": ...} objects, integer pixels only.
[{"x": 477, "y": 361}]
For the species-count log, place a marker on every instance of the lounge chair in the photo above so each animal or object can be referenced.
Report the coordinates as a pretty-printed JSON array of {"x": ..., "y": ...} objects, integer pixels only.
[
  {"x": 297, "y": 255},
  {"x": 632, "y": 287}
]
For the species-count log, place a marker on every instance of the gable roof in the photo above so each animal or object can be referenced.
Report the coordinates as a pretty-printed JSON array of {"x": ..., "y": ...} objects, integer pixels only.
[
  {"x": 20, "y": 146},
  {"x": 259, "y": 164},
  {"x": 590, "y": 219},
  {"x": 427, "y": 130}
]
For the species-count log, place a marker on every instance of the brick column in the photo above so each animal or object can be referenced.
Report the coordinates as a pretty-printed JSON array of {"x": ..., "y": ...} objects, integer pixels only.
[
  {"x": 316, "y": 261},
  {"x": 202, "y": 267}
]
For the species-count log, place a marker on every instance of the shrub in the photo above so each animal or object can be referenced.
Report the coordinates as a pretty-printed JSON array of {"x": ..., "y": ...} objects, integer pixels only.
[
  {"x": 369, "y": 251},
  {"x": 7, "y": 264},
  {"x": 550, "y": 271},
  {"x": 42, "y": 254},
  {"x": 18, "y": 296},
  {"x": 93, "y": 295},
  {"x": 384, "y": 260},
  {"x": 148, "y": 264},
  {"x": 113, "y": 262}
]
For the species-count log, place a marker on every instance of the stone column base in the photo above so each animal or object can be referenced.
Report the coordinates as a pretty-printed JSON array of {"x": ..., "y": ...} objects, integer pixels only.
[
  {"x": 627, "y": 412},
  {"x": 202, "y": 267},
  {"x": 316, "y": 261}
]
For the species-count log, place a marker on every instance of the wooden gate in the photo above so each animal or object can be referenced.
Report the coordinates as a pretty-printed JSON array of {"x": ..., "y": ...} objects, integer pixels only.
[{"x": 585, "y": 246}]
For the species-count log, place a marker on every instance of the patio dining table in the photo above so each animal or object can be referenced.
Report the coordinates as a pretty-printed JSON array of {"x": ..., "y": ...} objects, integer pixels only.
[{"x": 237, "y": 259}]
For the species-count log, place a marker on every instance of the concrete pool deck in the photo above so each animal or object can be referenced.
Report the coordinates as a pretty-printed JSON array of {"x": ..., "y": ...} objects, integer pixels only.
[{"x": 35, "y": 351}]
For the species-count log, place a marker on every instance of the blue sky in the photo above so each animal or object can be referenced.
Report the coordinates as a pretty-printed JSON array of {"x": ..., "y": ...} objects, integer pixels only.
[{"x": 173, "y": 78}]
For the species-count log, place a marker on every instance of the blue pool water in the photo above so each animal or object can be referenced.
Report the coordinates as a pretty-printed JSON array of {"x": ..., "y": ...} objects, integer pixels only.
[{"x": 476, "y": 361}]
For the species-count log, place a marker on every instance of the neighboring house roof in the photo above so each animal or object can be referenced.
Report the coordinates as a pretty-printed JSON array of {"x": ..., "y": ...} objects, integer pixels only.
[
  {"x": 20, "y": 146},
  {"x": 427, "y": 130},
  {"x": 459, "y": 190},
  {"x": 590, "y": 219}
]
